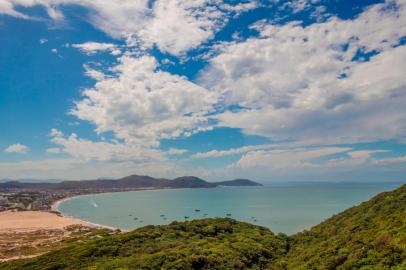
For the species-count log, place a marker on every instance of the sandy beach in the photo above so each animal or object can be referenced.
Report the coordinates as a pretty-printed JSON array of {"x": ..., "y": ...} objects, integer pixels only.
[
  {"x": 35, "y": 220},
  {"x": 26, "y": 234}
]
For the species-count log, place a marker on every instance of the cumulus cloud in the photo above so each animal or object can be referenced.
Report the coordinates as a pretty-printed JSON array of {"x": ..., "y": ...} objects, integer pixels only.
[
  {"x": 339, "y": 81},
  {"x": 175, "y": 26},
  {"x": 297, "y": 5},
  {"x": 312, "y": 83},
  {"x": 241, "y": 7},
  {"x": 17, "y": 148},
  {"x": 90, "y": 48},
  {"x": 87, "y": 150},
  {"x": 142, "y": 104},
  {"x": 178, "y": 26}
]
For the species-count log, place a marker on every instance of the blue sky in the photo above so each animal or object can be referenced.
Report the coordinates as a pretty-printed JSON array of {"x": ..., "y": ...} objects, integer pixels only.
[{"x": 267, "y": 90}]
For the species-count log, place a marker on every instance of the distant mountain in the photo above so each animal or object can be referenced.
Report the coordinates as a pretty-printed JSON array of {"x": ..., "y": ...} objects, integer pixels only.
[
  {"x": 31, "y": 180},
  {"x": 125, "y": 183},
  {"x": 238, "y": 183},
  {"x": 190, "y": 182}
]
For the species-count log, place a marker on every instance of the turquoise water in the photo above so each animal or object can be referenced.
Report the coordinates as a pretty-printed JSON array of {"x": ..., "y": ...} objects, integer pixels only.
[{"x": 285, "y": 208}]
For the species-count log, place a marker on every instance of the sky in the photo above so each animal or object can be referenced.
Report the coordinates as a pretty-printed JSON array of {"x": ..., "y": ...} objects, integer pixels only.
[{"x": 306, "y": 90}]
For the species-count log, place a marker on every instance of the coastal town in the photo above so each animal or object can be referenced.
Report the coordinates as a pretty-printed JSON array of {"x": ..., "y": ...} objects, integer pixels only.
[
  {"x": 30, "y": 201},
  {"x": 30, "y": 225}
]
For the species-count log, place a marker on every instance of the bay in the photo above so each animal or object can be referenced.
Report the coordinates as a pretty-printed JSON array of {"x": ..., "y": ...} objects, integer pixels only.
[{"x": 287, "y": 208}]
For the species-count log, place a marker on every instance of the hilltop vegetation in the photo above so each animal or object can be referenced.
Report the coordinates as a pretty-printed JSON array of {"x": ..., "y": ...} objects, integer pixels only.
[
  {"x": 199, "y": 244},
  {"x": 369, "y": 236}
]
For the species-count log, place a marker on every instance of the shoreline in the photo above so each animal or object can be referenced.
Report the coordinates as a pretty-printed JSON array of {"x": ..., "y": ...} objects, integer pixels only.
[
  {"x": 56, "y": 204},
  {"x": 55, "y": 208}
]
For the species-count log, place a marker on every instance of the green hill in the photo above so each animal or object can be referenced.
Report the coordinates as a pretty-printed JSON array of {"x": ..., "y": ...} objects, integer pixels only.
[
  {"x": 369, "y": 236},
  {"x": 199, "y": 244}
]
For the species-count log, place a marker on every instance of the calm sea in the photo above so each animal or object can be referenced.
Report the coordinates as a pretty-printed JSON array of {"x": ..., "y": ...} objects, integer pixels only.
[{"x": 287, "y": 208}]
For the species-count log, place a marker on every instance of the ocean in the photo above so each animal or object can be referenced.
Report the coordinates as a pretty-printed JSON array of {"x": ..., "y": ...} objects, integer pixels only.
[{"x": 286, "y": 208}]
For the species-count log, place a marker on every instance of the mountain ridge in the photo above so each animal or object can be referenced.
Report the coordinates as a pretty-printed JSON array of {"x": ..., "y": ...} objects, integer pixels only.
[{"x": 129, "y": 182}]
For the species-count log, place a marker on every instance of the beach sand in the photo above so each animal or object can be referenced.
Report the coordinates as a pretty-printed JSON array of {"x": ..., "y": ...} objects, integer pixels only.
[
  {"x": 35, "y": 220},
  {"x": 26, "y": 234}
]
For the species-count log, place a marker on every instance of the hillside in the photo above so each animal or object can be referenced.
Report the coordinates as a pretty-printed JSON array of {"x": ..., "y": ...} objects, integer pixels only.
[
  {"x": 369, "y": 236},
  {"x": 238, "y": 182},
  {"x": 190, "y": 182},
  {"x": 125, "y": 183},
  {"x": 199, "y": 244}
]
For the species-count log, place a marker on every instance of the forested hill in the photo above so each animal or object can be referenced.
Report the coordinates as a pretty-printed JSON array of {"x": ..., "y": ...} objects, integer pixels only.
[
  {"x": 125, "y": 183},
  {"x": 369, "y": 236}
]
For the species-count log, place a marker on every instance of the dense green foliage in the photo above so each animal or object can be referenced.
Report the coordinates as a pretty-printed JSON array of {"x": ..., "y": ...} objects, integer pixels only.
[
  {"x": 369, "y": 236},
  {"x": 207, "y": 244}
]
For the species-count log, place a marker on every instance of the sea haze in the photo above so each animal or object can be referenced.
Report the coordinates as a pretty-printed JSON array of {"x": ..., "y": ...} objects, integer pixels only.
[{"x": 287, "y": 208}]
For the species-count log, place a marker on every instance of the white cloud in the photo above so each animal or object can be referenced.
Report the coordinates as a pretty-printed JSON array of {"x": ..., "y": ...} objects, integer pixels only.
[
  {"x": 355, "y": 158},
  {"x": 364, "y": 154},
  {"x": 178, "y": 26},
  {"x": 394, "y": 160},
  {"x": 90, "y": 48},
  {"x": 296, "y": 5},
  {"x": 87, "y": 150},
  {"x": 309, "y": 164},
  {"x": 241, "y": 7},
  {"x": 7, "y": 7},
  {"x": 142, "y": 105},
  {"x": 233, "y": 151},
  {"x": 55, "y": 133},
  {"x": 289, "y": 79},
  {"x": 175, "y": 26},
  {"x": 112, "y": 17},
  {"x": 17, "y": 148},
  {"x": 285, "y": 159},
  {"x": 176, "y": 151},
  {"x": 293, "y": 82}
]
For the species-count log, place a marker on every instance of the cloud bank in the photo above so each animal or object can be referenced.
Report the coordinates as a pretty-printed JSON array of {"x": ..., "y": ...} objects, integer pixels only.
[{"x": 308, "y": 88}]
